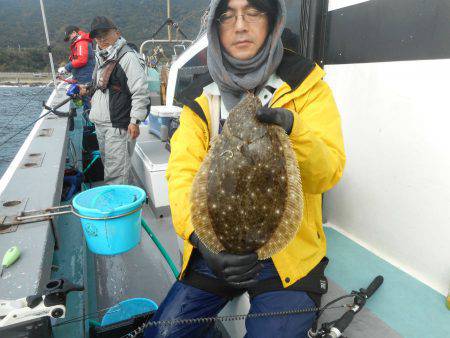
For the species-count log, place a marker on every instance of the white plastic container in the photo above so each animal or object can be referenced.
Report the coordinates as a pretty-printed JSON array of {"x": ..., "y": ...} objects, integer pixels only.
[{"x": 150, "y": 164}]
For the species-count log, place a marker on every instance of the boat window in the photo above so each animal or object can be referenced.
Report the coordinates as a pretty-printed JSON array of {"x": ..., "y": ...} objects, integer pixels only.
[
  {"x": 190, "y": 71},
  {"x": 293, "y": 8}
]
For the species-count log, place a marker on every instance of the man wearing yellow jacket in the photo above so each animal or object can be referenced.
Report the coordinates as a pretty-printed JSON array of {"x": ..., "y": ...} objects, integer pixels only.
[{"x": 246, "y": 53}]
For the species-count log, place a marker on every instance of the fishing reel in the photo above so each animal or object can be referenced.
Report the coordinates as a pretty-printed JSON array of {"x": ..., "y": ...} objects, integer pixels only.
[
  {"x": 73, "y": 93},
  {"x": 51, "y": 303}
]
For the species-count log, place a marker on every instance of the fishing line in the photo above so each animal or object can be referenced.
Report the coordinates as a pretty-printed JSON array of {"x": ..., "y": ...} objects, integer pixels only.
[
  {"x": 26, "y": 127},
  {"x": 83, "y": 317},
  {"x": 32, "y": 96},
  {"x": 50, "y": 110},
  {"x": 6, "y": 160}
]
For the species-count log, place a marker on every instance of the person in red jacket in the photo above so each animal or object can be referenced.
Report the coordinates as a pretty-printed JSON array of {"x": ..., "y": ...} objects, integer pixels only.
[{"x": 81, "y": 60}]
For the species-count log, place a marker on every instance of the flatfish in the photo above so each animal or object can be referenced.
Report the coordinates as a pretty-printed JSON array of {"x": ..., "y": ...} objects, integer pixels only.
[{"x": 247, "y": 195}]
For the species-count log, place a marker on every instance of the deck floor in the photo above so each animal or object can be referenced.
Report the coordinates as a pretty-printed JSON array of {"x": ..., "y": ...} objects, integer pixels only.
[{"x": 403, "y": 306}]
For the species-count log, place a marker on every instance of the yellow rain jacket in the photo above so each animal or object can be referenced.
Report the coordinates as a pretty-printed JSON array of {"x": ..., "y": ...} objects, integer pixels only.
[{"x": 316, "y": 139}]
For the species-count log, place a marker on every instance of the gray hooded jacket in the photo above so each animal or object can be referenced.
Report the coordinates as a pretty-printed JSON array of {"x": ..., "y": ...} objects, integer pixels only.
[{"x": 126, "y": 98}]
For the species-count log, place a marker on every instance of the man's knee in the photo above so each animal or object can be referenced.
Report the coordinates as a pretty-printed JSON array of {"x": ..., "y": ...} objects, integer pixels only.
[
  {"x": 185, "y": 302},
  {"x": 280, "y": 326}
]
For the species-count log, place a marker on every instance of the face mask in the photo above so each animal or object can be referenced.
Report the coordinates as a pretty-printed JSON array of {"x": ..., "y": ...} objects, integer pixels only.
[{"x": 105, "y": 52}]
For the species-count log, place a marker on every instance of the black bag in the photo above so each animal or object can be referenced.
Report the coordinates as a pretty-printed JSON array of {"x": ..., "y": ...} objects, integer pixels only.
[
  {"x": 95, "y": 172},
  {"x": 90, "y": 142}
]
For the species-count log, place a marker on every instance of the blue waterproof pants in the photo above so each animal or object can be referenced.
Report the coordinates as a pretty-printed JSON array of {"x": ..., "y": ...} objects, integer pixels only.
[{"x": 184, "y": 301}]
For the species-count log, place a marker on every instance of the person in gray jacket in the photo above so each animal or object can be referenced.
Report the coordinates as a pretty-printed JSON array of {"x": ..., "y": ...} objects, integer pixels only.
[{"x": 120, "y": 99}]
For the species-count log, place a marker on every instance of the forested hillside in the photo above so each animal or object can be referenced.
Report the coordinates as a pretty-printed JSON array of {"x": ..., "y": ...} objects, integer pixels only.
[{"x": 22, "y": 38}]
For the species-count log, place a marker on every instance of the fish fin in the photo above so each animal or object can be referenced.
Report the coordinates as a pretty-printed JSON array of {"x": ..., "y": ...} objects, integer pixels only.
[
  {"x": 293, "y": 211},
  {"x": 200, "y": 218}
]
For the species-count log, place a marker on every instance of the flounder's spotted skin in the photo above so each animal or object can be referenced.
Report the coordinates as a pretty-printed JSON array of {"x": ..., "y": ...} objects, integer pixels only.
[{"x": 247, "y": 194}]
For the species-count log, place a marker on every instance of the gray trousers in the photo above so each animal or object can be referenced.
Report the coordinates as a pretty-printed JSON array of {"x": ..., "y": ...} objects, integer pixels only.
[{"x": 116, "y": 148}]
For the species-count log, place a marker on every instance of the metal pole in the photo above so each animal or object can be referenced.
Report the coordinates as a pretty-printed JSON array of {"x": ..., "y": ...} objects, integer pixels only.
[
  {"x": 49, "y": 214},
  {"x": 48, "y": 43},
  {"x": 169, "y": 25}
]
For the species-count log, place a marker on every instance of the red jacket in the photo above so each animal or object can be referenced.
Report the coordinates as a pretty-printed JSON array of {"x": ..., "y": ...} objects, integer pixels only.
[{"x": 81, "y": 55}]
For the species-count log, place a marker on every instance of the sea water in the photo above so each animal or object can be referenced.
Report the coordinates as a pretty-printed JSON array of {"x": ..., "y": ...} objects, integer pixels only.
[{"x": 27, "y": 100}]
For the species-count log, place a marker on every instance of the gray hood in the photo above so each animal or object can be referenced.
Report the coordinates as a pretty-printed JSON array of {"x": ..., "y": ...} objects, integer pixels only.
[{"x": 234, "y": 77}]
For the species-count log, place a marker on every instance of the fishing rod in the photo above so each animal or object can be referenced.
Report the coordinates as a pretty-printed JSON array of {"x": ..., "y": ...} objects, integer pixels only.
[
  {"x": 332, "y": 329},
  {"x": 49, "y": 48},
  {"x": 201, "y": 320},
  {"x": 335, "y": 328},
  {"x": 66, "y": 80},
  {"x": 36, "y": 306}
]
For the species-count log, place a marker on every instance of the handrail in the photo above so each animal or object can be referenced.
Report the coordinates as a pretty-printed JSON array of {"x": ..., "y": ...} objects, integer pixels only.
[{"x": 141, "y": 48}]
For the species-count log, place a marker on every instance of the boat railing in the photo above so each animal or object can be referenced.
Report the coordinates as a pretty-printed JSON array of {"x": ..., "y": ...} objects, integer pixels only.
[
  {"x": 169, "y": 109},
  {"x": 161, "y": 41},
  {"x": 34, "y": 181}
]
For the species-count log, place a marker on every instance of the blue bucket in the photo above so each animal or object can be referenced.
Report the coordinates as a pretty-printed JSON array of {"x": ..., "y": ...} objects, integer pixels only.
[
  {"x": 111, "y": 217},
  {"x": 128, "y": 309}
]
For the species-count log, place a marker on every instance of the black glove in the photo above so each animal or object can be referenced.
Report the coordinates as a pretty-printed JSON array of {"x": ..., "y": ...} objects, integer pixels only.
[
  {"x": 237, "y": 270},
  {"x": 279, "y": 116}
]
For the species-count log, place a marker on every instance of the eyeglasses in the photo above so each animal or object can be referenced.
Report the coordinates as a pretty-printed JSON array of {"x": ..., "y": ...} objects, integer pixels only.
[{"x": 229, "y": 19}]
